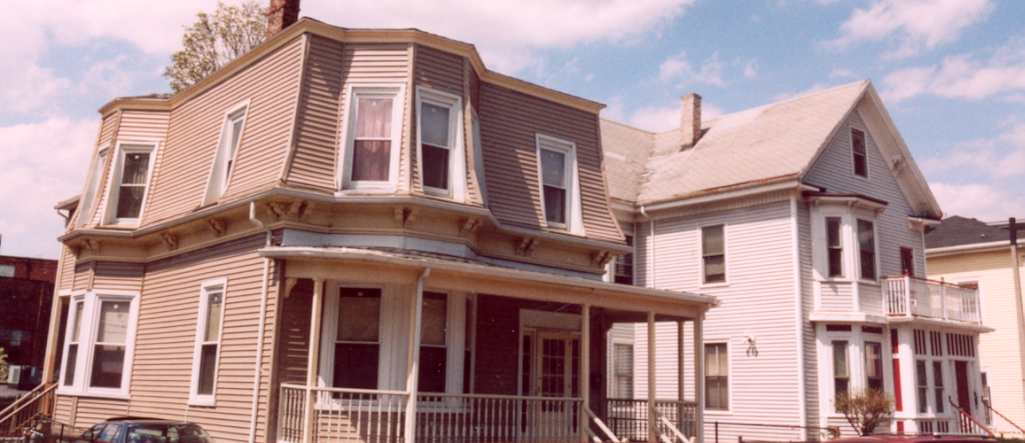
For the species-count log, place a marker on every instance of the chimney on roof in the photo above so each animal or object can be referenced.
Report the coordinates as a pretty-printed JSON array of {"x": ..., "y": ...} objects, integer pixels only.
[
  {"x": 280, "y": 15},
  {"x": 690, "y": 119}
]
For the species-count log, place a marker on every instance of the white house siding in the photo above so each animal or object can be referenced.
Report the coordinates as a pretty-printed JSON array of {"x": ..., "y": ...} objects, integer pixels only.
[
  {"x": 811, "y": 374},
  {"x": 756, "y": 303}
]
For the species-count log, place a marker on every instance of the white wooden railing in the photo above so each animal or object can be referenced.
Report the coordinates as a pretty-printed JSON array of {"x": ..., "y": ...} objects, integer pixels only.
[
  {"x": 377, "y": 416},
  {"x": 908, "y": 296}
]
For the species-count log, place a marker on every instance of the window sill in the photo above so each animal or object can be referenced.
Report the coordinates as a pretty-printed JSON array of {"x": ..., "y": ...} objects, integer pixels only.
[
  {"x": 93, "y": 394},
  {"x": 715, "y": 285},
  {"x": 202, "y": 402},
  {"x": 869, "y": 282},
  {"x": 718, "y": 411},
  {"x": 835, "y": 280},
  {"x": 366, "y": 188}
]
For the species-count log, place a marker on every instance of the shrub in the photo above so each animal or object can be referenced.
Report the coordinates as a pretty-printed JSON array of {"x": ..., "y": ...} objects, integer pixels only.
[{"x": 865, "y": 411}]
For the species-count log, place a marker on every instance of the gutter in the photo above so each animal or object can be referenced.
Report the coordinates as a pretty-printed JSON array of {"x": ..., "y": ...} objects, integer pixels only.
[
  {"x": 257, "y": 366},
  {"x": 725, "y": 195},
  {"x": 973, "y": 247}
]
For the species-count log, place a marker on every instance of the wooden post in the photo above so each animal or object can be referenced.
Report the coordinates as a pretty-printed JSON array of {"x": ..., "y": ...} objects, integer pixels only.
[
  {"x": 413, "y": 357},
  {"x": 316, "y": 315},
  {"x": 699, "y": 380},
  {"x": 680, "y": 372},
  {"x": 652, "y": 419},
  {"x": 585, "y": 371},
  {"x": 907, "y": 296}
]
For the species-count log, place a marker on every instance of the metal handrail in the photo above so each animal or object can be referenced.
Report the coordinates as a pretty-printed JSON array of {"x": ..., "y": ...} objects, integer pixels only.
[
  {"x": 601, "y": 425},
  {"x": 964, "y": 415},
  {"x": 990, "y": 407},
  {"x": 30, "y": 401},
  {"x": 28, "y": 395}
]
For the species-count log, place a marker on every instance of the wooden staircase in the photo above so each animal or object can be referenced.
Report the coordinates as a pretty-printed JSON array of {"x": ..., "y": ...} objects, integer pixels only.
[{"x": 16, "y": 417}]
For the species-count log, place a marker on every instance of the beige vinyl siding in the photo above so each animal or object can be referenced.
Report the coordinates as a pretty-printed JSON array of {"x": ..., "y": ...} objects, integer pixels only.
[
  {"x": 183, "y": 165},
  {"x": 509, "y": 123},
  {"x": 118, "y": 276},
  {"x": 757, "y": 302},
  {"x": 834, "y": 171},
  {"x": 83, "y": 278},
  {"x": 108, "y": 130},
  {"x": 66, "y": 278},
  {"x": 132, "y": 127},
  {"x": 999, "y": 354},
  {"x": 314, "y": 161}
]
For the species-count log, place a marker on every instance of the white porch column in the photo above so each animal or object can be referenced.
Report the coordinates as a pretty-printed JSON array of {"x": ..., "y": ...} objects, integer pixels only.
[
  {"x": 680, "y": 373},
  {"x": 585, "y": 371},
  {"x": 699, "y": 380},
  {"x": 413, "y": 356},
  {"x": 652, "y": 425},
  {"x": 314, "y": 358}
]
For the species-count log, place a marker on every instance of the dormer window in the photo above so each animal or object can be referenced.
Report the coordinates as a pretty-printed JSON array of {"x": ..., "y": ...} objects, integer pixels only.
[
  {"x": 860, "y": 155},
  {"x": 372, "y": 145},
  {"x": 560, "y": 192},
  {"x": 130, "y": 182},
  {"x": 227, "y": 147},
  {"x": 440, "y": 142}
]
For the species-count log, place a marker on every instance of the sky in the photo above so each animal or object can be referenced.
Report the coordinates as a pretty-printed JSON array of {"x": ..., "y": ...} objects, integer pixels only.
[{"x": 951, "y": 73}]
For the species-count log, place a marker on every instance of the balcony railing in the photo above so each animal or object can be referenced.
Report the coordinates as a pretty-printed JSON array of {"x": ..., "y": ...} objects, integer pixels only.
[{"x": 918, "y": 297}]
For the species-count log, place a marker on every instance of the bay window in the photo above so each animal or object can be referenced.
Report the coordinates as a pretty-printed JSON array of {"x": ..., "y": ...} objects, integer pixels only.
[
  {"x": 98, "y": 344},
  {"x": 560, "y": 192},
  {"x": 209, "y": 323},
  {"x": 370, "y": 156},
  {"x": 440, "y": 142},
  {"x": 867, "y": 249},
  {"x": 227, "y": 147},
  {"x": 834, "y": 246},
  {"x": 713, "y": 254},
  {"x": 130, "y": 182}
]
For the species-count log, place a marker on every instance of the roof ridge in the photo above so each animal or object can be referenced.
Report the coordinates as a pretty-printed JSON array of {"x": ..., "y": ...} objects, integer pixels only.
[{"x": 626, "y": 125}]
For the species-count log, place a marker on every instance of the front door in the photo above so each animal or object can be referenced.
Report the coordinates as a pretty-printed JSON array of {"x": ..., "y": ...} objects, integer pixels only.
[
  {"x": 551, "y": 371},
  {"x": 963, "y": 393}
]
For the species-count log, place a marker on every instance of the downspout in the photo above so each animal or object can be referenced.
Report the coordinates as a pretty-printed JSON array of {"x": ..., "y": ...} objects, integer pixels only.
[
  {"x": 257, "y": 369},
  {"x": 799, "y": 314}
]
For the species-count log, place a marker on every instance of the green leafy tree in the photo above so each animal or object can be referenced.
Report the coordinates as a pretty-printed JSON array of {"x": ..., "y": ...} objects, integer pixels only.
[
  {"x": 866, "y": 410},
  {"x": 214, "y": 40}
]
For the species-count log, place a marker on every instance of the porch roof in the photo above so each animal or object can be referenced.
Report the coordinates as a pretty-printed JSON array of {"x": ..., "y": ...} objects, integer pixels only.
[{"x": 479, "y": 268}]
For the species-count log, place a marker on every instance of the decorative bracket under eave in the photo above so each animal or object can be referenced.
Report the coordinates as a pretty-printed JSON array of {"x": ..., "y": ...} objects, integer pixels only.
[
  {"x": 526, "y": 246},
  {"x": 295, "y": 209},
  {"x": 170, "y": 239},
  {"x": 405, "y": 216},
  {"x": 469, "y": 226},
  {"x": 601, "y": 258},
  {"x": 89, "y": 244},
  {"x": 218, "y": 225}
]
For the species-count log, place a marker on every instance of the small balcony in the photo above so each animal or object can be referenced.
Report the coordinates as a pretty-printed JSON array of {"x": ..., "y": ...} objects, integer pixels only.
[{"x": 914, "y": 297}]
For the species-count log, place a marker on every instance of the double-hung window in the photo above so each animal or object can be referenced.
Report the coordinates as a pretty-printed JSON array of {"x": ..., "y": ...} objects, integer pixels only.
[
  {"x": 624, "y": 265},
  {"x": 208, "y": 341},
  {"x": 433, "y": 342},
  {"x": 717, "y": 375},
  {"x": 227, "y": 147},
  {"x": 937, "y": 382},
  {"x": 441, "y": 157},
  {"x": 131, "y": 182},
  {"x": 713, "y": 254},
  {"x": 841, "y": 370},
  {"x": 98, "y": 345},
  {"x": 623, "y": 370},
  {"x": 557, "y": 164},
  {"x": 372, "y": 145},
  {"x": 922, "y": 386},
  {"x": 867, "y": 249},
  {"x": 859, "y": 153},
  {"x": 834, "y": 246},
  {"x": 357, "y": 345},
  {"x": 874, "y": 366}
]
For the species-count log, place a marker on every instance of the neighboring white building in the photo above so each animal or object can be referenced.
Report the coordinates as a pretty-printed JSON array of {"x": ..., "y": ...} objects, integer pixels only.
[{"x": 805, "y": 218}]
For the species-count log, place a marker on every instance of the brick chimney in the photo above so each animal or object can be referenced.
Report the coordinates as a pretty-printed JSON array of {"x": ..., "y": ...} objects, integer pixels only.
[
  {"x": 281, "y": 14},
  {"x": 690, "y": 119}
]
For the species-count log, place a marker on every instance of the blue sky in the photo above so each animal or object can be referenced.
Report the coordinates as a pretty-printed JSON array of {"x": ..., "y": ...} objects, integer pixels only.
[{"x": 952, "y": 73}]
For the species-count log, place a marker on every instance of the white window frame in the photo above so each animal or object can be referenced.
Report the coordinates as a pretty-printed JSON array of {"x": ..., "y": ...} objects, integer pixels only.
[
  {"x": 87, "y": 344},
  {"x": 93, "y": 186},
  {"x": 725, "y": 255},
  {"x": 729, "y": 376},
  {"x": 613, "y": 387},
  {"x": 850, "y": 135},
  {"x": 456, "y": 149},
  {"x": 574, "y": 217},
  {"x": 124, "y": 148},
  {"x": 857, "y": 244},
  {"x": 205, "y": 288},
  {"x": 397, "y": 92},
  {"x": 219, "y": 177}
]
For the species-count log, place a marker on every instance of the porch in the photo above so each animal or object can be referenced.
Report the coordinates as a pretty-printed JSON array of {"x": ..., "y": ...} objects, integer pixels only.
[
  {"x": 908, "y": 296},
  {"x": 409, "y": 347}
]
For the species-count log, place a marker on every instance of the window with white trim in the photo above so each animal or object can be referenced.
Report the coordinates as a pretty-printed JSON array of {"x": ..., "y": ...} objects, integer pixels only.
[
  {"x": 98, "y": 344},
  {"x": 370, "y": 157},
  {"x": 841, "y": 370},
  {"x": 717, "y": 376},
  {"x": 558, "y": 179},
  {"x": 206, "y": 354},
  {"x": 433, "y": 342},
  {"x": 93, "y": 189},
  {"x": 859, "y": 153},
  {"x": 874, "y": 365},
  {"x": 440, "y": 142},
  {"x": 227, "y": 147},
  {"x": 357, "y": 342},
  {"x": 713, "y": 254},
  {"x": 834, "y": 246},
  {"x": 130, "y": 182},
  {"x": 867, "y": 249},
  {"x": 623, "y": 370}
]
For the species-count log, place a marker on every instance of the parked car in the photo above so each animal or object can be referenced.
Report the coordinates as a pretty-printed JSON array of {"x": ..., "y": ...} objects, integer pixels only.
[
  {"x": 893, "y": 438},
  {"x": 144, "y": 430}
]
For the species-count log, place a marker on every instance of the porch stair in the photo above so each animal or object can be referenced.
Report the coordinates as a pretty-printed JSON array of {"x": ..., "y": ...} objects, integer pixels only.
[
  {"x": 18, "y": 416},
  {"x": 967, "y": 424}
]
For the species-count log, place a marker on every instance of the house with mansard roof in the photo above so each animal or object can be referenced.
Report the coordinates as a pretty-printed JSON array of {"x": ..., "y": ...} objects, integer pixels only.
[
  {"x": 349, "y": 234},
  {"x": 805, "y": 217}
]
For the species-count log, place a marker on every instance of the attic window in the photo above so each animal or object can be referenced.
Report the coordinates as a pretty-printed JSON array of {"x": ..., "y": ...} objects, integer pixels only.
[{"x": 859, "y": 153}]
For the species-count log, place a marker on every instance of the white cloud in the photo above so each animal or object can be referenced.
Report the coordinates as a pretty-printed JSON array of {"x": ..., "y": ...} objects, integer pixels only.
[
  {"x": 510, "y": 33},
  {"x": 751, "y": 69},
  {"x": 664, "y": 118},
  {"x": 1001, "y": 156},
  {"x": 841, "y": 73},
  {"x": 963, "y": 76},
  {"x": 39, "y": 171},
  {"x": 911, "y": 24},
  {"x": 676, "y": 67},
  {"x": 979, "y": 200}
]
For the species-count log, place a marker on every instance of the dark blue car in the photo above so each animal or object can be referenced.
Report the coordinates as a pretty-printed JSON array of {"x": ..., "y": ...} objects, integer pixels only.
[{"x": 144, "y": 430}]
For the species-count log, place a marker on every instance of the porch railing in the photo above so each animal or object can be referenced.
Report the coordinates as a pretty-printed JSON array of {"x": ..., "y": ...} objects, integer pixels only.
[
  {"x": 628, "y": 418},
  {"x": 908, "y": 296},
  {"x": 37, "y": 402},
  {"x": 376, "y": 416}
]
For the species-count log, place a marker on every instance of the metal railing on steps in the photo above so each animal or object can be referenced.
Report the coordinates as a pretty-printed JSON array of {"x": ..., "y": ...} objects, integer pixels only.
[
  {"x": 967, "y": 424},
  {"x": 15, "y": 417}
]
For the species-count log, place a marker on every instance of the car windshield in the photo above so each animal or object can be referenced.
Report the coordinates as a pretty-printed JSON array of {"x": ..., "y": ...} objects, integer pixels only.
[{"x": 167, "y": 433}]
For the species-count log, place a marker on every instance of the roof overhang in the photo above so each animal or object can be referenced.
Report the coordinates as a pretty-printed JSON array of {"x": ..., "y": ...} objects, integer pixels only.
[
  {"x": 972, "y": 247},
  {"x": 602, "y": 293},
  {"x": 715, "y": 195},
  {"x": 67, "y": 204},
  {"x": 850, "y": 200}
]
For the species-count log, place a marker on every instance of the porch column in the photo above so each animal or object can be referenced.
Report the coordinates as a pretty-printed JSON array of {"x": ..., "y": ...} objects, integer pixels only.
[
  {"x": 652, "y": 418},
  {"x": 680, "y": 373},
  {"x": 413, "y": 357},
  {"x": 699, "y": 379},
  {"x": 585, "y": 371},
  {"x": 314, "y": 358}
]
